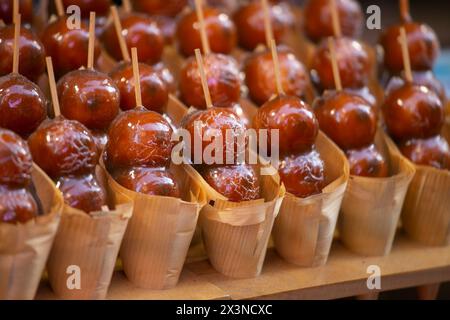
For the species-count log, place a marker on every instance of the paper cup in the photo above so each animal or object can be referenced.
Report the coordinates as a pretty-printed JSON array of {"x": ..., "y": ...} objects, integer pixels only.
[
  {"x": 304, "y": 228},
  {"x": 82, "y": 259},
  {"x": 24, "y": 248},
  {"x": 157, "y": 239},
  {"x": 426, "y": 212},
  {"x": 371, "y": 207}
]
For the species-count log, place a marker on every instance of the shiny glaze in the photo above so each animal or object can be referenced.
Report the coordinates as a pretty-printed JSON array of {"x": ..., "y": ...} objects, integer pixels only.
[
  {"x": 15, "y": 160},
  {"x": 82, "y": 192},
  {"x": 90, "y": 97},
  {"x": 23, "y": 106},
  {"x": 100, "y": 7},
  {"x": 236, "y": 182},
  {"x": 168, "y": 27},
  {"x": 366, "y": 94},
  {"x": 367, "y": 162},
  {"x": 63, "y": 147},
  {"x": 298, "y": 126},
  {"x": 423, "y": 47},
  {"x": 149, "y": 181},
  {"x": 221, "y": 119},
  {"x": 224, "y": 81},
  {"x": 155, "y": 94},
  {"x": 318, "y": 20},
  {"x": 25, "y": 10},
  {"x": 67, "y": 47},
  {"x": 249, "y": 20},
  {"x": 139, "y": 137},
  {"x": 347, "y": 119},
  {"x": 303, "y": 175},
  {"x": 353, "y": 63},
  {"x": 101, "y": 139},
  {"x": 16, "y": 205},
  {"x": 413, "y": 112},
  {"x": 31, "y": 53},
  {"x": 260, "y": 75},
  {"x": 220, "y": 30},
  {"x": 166, "y": 75},
  {"x": 139, "y": 31},
  {"x": 434, "y": 152},
  {"x": 160, "y": 7}
]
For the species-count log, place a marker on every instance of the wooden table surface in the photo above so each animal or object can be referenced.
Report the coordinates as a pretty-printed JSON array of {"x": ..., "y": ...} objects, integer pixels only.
[{"x": 345, "y": 275}]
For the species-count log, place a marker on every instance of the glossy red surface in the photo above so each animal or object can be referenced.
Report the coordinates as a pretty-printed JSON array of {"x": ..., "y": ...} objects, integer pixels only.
[
  {"x": 434, "y": 152},
  {"x": 160, "y": 7},
  {"x": 25, "y": 10},
  {"x": 16, "y": 205},
  {"x": 367, "y": 162}
]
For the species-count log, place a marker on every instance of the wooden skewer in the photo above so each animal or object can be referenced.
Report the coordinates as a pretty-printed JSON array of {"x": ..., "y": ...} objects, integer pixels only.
[
  {"x": 404, "y": 11},
  {"x": 335, "y": 19},
  {"x": 15, "y": 10},
  {"x": 59, "y": 8},
  {"x": 91, "y": 46},
  {"x": 136, "y": 76},
  {"x": 405, "y": 54},
  {"x": 52, "y": 83},
  {"x": 16, "y": 44},
  {"x": 267, "y": 23},
  {"x": 334, "y": 65},
  {"x": 201, "y": 70},
  {"x": 201, "y": 22},
  {"x": 276, "y": 66},
  {"x": 118, "y": 27},
  {"x": 126, "y": 6}
]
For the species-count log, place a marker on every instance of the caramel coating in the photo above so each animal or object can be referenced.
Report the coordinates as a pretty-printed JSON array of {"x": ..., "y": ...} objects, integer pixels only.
[
  {"x": 149, "y": 181},
  {"x": 298, "y": 126},
  {"x": 63, "y": 147},
  {"x": 101, "y": 139},
  {"x": 139, "y": 138},
  {"x": 353, "y": 63},
  {"x": 423, "y": 47},
  {"x": 16, "y": 205},
  {"x": 303, "y": 175},
  {"x": 23, "y": 106},
  {"x": 25, "y": 10},
  {"x": 160, "y": 7},
  {"x": 224, "y": 81},
  {"x": 237, "y": 182},
  {"x": 100, "y": 7},
  {"x": 434, "y": 152},
  {"x": 90, "y": 97},
  {"x": 220, "y": 30},
  {"x": 202, "y": 122},
  {"x": 249, "y": 20},
  {"x": 167, "y": 26},
  {"x": 318, "y": 20},
  {"x": 155, "y": 94},
  {"x": 413, "y": 112},
  {"x": 166, "y": 75},
  {"x": 347, "y": 119},
  {"x": 139, "y": 31},
  {"x": 67, "y": 47},
  {"x": 367, "y": 162},
  {"x": 15, "y": 160},
  {"x": 82, "y": 192},
  {"x": 31, "y": 53},
  {"x": 260, "y": 75}
]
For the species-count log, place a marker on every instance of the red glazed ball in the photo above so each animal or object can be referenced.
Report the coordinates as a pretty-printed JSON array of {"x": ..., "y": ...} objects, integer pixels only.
[
  {"x": 237, "y": 182},
  {"x": 25, "y": 10},
  {"x": 318, "y": 19},
  {"x": 303, "y": 175},
  {"x": 139, "y": 137},
  {"x": 149, "y": 181},
  {"x": 23, "y": 106},
  {"x": 15, "y": 160},
  {"x": 160, "y": 7},
  {"x": 140, "y": 31},
  {"x": 67, "y": 47},
  {"x": 367, "y": 162},
  {"x": 349, "y": 120},
  {"x": 31, "y": 53},
  {"x": 63, "y": 147},
  {"x": 155, "y": 94},
  {"x": 223, "y": 78},
  {"x": 295, "y": 120},
  {"x": 220, "y": 31},
  {"x": 16, "y": 205},
  {"x": 423, "y": 47},
  {"x": 413, "y": 112},
  {"x": 433, "y": 152},
  {"x": 353, "y": 63},
  {"x": 90, "y": 97}
]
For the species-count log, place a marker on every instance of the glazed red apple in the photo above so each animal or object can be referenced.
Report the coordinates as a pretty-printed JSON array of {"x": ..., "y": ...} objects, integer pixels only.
[
  {"x": 16, "y": 205},
  {"x": 349, "y": 120},
  {"x": 367, "y": 162},
  {"x": 434, "y": 152}
]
